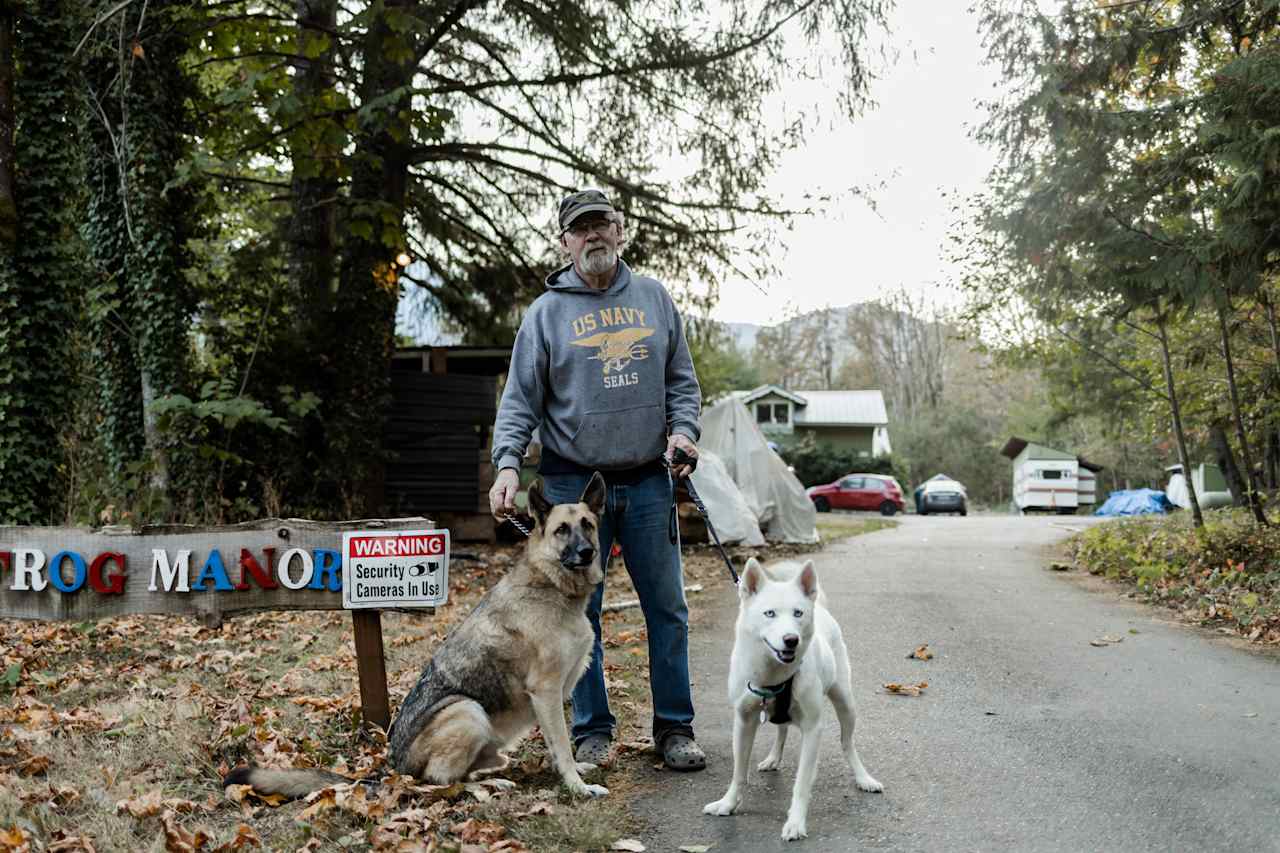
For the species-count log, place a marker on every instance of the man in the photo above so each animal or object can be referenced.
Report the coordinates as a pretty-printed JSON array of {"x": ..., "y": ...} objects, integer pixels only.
[{"x": 601, "y": 369}]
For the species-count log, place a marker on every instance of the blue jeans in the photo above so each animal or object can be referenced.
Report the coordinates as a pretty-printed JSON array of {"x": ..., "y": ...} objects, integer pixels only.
[{"x": 637, "y": 516}]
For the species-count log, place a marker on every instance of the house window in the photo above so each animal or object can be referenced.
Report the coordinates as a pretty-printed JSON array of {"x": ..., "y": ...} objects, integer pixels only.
[{"x": 773, "y": 413}]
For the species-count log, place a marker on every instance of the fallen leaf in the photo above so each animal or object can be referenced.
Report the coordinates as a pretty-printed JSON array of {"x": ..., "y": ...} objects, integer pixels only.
[
  {"x": 63, "y": 843},
  {"x": 320, "y": 804},
  {"x": 540, "y": 808},
  {"x": 906, "y": 689},
  {"x": 695, "y": 848},
  {"x": 147, "y": 805},
  {"x": 483, "y": 832},
  {"x": 178, "y": 840},
  {"x": 34, "y": 766},
  {"x": 631, "y": 845},
  {"x": 15, "y": 840},
  {"x": 245, "y": 837},
  {"x": 921, "y": 653}
]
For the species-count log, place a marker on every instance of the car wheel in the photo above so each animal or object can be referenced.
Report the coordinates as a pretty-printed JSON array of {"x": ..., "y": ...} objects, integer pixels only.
[
  {"x": 822, "y": 505},
  {"x": 888, "y": 508},
  {"x": 964, "y": 512}
]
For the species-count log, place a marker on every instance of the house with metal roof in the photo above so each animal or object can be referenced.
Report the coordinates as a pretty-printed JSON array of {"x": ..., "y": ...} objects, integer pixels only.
[{"x": 852, "y": 420}]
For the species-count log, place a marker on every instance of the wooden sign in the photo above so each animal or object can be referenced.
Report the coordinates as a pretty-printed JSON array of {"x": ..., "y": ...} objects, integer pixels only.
[{"x": 292, "y": 564}]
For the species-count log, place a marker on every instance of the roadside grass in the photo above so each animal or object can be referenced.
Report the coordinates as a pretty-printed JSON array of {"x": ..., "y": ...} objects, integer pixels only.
[
  {"x": 832, "y": 530},
  {"x": 1226, "y": 576},
  {"x": 114, "y": 735}
]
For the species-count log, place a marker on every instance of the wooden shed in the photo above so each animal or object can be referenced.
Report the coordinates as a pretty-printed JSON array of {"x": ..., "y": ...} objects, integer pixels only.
[{"x": 444, "y": 400}]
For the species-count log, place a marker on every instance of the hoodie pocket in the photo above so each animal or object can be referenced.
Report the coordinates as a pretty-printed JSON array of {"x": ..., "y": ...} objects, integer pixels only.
[{"x": 622, "y": 438}]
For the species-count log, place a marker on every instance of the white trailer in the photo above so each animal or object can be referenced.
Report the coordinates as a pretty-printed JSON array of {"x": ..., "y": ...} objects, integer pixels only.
[
  {"x": 1087, "y": 484},
  {"x": 1044, "y": 479}
]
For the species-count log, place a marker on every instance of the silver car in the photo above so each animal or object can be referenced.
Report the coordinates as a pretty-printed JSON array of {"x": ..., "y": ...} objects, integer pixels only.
[{"x": 944, "y": 496}]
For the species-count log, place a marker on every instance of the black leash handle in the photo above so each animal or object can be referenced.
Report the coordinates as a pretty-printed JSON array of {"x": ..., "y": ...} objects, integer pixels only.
[{"x": 679, "y": 457}]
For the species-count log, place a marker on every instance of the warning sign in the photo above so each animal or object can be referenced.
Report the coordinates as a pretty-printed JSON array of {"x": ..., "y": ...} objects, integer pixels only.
[{"x": 402, "y": 568}]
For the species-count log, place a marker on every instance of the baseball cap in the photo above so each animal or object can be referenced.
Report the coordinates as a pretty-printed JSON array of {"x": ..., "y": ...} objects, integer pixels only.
[{"x": 584, "y": 201}]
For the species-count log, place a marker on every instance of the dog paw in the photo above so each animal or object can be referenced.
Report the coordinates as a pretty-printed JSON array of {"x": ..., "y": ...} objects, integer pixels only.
[
  {"x": 585, "y": 790},
  {"x": 869, "y": 783},
  {"x": 722, "y": 808},
  {"x": 794, "y": 830},
  {"x": 584, "y": 767},
  {"x": 770, "y": 763}
]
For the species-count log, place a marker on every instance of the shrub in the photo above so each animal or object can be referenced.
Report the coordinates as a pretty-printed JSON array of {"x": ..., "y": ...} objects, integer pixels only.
[
  {"x": 1227, "y": 573},
  {"x": 816, "y": 464}
]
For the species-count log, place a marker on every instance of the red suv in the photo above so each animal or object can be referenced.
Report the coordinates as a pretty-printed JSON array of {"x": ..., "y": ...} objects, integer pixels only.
[{"x": 859, "y": 491}]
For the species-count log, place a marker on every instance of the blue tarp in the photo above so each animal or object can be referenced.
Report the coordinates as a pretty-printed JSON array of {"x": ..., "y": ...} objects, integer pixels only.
[{"x": 1135, "y": 502}]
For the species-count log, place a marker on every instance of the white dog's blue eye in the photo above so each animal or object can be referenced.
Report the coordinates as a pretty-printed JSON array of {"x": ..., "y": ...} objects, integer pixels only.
[{"x": 770, "y": 613}]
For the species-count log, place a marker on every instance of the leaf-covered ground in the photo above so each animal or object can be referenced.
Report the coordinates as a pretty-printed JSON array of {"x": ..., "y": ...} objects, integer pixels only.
[
  {"x": 1226, "y": 576},
  {"x": 114, "y": 735}
]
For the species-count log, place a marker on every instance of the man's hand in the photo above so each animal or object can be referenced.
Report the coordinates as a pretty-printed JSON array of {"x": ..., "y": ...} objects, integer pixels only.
[
  {"x": 684, "y": 443},
  {"x": 502, "y": 497}
]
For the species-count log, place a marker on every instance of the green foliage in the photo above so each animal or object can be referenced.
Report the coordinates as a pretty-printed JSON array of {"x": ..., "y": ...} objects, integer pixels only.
[
  {"x": 38, "y": 302},
  {"x": 817, "y": 463},
  {"x": 720, "y": 365},
  {"x": 1229, "y": 572}
]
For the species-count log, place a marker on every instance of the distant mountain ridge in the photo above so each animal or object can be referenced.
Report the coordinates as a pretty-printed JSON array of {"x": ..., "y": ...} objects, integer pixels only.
[{"x": 745, "y": 334}]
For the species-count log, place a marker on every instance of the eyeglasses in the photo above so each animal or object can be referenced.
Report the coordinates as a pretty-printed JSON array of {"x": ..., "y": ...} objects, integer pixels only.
[{"x": 581, "y": 229}]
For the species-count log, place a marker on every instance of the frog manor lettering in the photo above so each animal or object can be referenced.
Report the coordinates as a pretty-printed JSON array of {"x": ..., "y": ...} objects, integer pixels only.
[{"x": 31, "y": 570}]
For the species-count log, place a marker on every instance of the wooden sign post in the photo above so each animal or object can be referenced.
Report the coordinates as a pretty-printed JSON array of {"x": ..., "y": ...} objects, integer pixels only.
[
  {"x": 68, "y": 573},
  {"x": 371, "y": 665}
]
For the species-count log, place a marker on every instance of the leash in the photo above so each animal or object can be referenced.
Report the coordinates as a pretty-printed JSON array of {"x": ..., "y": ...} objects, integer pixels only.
[{"x": 679, "y": 457}]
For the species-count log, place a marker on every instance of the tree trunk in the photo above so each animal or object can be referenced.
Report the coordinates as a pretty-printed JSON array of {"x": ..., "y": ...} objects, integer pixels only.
[
  {"x": 1270, "y": 309},
  {"x": 8, "y": 200},
  {"x": 368, "y": 288},
  {"x": 1271, "y": 462},
  {"x": 312, "y": 234},
  {"x": 1246, "y": 456},
  {"x": 1178, "y": 434},
  {"x": 1227, "y": 462},
  {"x": 117, "y": 374}
]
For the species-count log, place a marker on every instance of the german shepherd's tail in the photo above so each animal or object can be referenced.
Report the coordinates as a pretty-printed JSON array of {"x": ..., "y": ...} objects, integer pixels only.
[{"x": 289, "y": 783}]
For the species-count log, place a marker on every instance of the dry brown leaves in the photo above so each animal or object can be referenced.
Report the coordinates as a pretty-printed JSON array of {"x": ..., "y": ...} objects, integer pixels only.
[
  {"x": 921, "y": 653},
  {"x": 906, "y": 689}
]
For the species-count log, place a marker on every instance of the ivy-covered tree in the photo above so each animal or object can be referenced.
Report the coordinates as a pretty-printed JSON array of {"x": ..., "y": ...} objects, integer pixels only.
[{"x": 39, "y": 185}]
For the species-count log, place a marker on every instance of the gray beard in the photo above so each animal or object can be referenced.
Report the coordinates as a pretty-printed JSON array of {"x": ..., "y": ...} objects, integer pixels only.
[{"x": 598, "y": 263}]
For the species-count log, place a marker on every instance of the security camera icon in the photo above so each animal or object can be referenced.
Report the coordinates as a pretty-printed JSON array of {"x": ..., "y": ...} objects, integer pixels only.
[{"x": 417, "y": 570}]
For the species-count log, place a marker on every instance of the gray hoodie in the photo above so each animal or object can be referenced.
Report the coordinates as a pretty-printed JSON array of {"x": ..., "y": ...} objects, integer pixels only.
[{"x": 605, "y": 375}]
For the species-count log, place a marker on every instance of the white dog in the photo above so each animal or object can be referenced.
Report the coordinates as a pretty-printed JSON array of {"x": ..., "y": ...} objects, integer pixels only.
[{"x": 788, "y": 654}]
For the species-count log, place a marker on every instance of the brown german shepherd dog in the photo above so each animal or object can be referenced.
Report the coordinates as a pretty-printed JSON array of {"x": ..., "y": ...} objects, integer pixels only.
[{"x": 512, "y": 663}]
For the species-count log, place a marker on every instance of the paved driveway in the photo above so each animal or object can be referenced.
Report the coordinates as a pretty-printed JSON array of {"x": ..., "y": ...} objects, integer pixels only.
[{"x": 1028, "y": 738}]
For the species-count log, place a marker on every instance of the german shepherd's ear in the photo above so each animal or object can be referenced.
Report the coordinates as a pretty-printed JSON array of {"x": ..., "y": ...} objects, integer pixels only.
[
  {"x": 539, "y": 506},
  {"x": 593, "y": 495}
]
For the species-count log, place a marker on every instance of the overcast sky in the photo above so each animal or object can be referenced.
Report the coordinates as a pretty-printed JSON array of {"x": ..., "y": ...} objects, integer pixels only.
[{"x": 911, "y": 148}]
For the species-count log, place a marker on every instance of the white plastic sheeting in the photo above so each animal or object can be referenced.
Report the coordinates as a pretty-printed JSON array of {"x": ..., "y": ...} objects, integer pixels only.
[
  {"x": 776, "y": 498},
  {"x": 730, "y": 515}
]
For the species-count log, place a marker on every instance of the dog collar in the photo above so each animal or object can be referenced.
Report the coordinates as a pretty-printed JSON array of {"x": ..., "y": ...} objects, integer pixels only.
[{"x": 781, "y": 696}]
